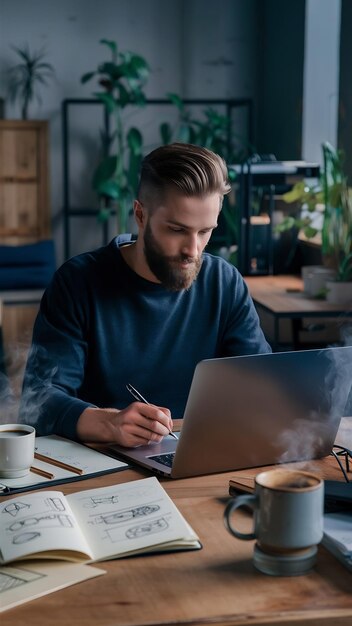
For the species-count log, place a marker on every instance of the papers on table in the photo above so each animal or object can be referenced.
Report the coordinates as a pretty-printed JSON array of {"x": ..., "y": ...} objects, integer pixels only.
[
  {"x": 19, "y": 584},
  {"x": 338, "y": 536},
  {"x": 69, "y": 452}
]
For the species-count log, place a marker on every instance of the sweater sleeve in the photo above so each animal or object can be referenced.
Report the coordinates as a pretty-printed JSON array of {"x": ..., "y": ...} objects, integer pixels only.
[
  {"x": 243, "y": 333},
  {"x": 56, "y": 362}
]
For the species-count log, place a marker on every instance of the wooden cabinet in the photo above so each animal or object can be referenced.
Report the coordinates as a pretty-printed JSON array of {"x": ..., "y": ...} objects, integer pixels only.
[
  {"x": 24, "y": 219},
  {"x": 24, "y": 181}
]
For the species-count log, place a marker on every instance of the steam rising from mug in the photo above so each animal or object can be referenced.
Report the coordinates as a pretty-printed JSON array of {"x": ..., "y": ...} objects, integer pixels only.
[
  {"x": 303, "y": 438},
  {"x": 38, "y": 382},
  {"x": 11, "y": 381}
]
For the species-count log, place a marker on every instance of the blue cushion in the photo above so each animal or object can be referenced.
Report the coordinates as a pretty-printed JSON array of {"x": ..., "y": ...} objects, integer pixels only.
[
  {"x": 27, "y": 266},
  {"x": 39, "y": 253}
]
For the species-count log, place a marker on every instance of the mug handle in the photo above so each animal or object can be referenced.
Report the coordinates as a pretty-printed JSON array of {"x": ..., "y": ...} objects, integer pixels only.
[{"x": 236, "y": 503}]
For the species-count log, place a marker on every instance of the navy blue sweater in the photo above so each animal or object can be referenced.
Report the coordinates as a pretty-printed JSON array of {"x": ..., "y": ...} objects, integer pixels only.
[{"x": 101, "y": 325}]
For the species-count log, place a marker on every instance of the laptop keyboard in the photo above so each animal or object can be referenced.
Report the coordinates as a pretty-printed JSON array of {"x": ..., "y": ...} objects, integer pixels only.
[{"x": 164, "y": 459}]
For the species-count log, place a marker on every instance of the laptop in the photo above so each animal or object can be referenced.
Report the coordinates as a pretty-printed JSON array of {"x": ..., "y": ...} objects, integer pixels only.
[{"x": 250, "y": 411}]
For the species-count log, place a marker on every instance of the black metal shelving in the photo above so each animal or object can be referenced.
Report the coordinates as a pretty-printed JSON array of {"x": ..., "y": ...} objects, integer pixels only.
[
  {"x": 273, "y": 178},
  {"x": 70, "y": 211}
]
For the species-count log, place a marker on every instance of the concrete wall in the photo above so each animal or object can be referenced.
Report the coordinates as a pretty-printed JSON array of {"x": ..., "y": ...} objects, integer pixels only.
[{"x": 321, "y": 76}]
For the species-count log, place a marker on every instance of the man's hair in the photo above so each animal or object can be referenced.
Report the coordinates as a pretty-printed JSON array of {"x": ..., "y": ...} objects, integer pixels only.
[{"x": 191, "y": 170}]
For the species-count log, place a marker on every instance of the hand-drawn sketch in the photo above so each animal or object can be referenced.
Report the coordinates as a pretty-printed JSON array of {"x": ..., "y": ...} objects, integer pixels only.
[
  {"x": 24, "y": 538},
  {"x": 92, "y": 502},
  {"x": 140, "y": 530},
  {"x": 14, "y": 507},
  {"x": 11, "y": 577},
  {"x": 55, "y": 503},
  {"x": 125, "y": 515},
  {"x": 44, "y": 521}
]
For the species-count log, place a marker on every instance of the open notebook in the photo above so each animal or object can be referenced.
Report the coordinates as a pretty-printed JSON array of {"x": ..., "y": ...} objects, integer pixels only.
[{"x": 94, "y": 525}]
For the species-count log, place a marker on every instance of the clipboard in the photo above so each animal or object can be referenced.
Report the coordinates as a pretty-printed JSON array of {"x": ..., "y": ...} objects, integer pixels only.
[{"x": 92, "y": 462}]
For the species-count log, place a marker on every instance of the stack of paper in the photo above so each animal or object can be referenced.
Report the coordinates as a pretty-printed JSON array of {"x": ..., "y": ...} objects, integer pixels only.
[
  {"x": 338, "y": 536},
  {"x": 33, "y": 580}
]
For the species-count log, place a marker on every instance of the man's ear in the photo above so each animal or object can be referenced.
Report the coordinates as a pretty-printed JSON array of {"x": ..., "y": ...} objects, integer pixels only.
[{"x": 139, "y": 213}]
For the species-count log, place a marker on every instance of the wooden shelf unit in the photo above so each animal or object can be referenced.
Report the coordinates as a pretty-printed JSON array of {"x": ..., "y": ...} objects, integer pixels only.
[
  {"x": 24, "y": 181},
  {"x": 24, "y": 219}
]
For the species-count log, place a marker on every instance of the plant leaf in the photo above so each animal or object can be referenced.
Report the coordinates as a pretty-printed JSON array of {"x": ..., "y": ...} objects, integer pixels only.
[
  {"x": 112, "y": 70},
  {"x": 133, "y": 173},
  {"x": 109, "y": 188},
  {"x": 286, "y": 224},
  {"x": 310, "y": 232},
  {"x": 135, "y": 141},
  {"x": 165, "y": 133},
  {"x": 296, "y": 193},
  {"x": 104, "y": 171},
  {"x": 176, "y": 100},
  {"x": 103, "y": 215},
  {"x": 124, "y": 96},
  {"x": 184, "y": 134},
  {"x": 137, "y": 96},
  {"x": 232, "y": 174},
  {"x": 111, "y": 44},
  {"x": 139, "y": 67},
  {"x": 107, "y": 99}
]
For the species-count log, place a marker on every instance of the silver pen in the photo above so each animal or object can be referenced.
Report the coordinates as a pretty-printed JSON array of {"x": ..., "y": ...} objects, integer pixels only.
[{"x": 138, "y": 396}]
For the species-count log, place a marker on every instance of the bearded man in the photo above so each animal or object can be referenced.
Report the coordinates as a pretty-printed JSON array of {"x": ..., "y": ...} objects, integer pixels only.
[{"x": 142, "y": 310}]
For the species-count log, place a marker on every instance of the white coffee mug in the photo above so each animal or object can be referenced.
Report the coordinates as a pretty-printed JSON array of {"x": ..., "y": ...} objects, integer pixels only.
[
  {"x": 16, "y": 450},
  {"x": 288, "y": 508}
]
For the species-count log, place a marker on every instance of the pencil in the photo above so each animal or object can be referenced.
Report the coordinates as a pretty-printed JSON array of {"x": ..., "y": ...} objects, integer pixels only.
[
  {"x": 139, "y": 397},
  {"x": 65, "y": 466},
  {"x": 41, "y": 472}
]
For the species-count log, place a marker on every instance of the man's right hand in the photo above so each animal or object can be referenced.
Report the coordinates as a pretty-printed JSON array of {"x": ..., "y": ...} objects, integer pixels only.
[{"x": 137, "y": 425}]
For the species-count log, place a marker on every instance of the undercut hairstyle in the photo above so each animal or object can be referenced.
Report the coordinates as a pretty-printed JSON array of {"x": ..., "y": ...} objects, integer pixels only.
[{"x": 191, "y": 170}]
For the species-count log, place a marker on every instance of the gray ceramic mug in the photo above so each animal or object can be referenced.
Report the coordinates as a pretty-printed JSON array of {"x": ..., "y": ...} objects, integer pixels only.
[{"x": 288, "y": 508}]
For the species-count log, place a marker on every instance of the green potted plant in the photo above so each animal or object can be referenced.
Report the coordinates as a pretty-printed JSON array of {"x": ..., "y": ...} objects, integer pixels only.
[
  {"x": 26, "y": 77},
  {"x": 334, "y": 198},
  {"x": 122, "y": 79}
]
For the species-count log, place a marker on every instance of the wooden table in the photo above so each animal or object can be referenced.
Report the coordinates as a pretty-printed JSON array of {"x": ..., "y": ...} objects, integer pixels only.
[
  {"x": 216, "y": 585},
  {"x": 282, "y": 297}
]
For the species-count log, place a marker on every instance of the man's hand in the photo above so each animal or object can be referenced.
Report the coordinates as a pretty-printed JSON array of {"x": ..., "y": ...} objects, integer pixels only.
[{"x": 137, "y": 425}]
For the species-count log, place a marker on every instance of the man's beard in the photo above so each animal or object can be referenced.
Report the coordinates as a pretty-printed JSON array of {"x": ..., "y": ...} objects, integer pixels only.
[{"x": 166, "y": 268}]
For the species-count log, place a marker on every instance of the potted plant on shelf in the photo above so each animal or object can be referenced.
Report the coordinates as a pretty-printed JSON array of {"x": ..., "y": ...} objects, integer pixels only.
[
  {"x": 115, "y": 179},
  {"x": 333, "y": 198},
  {"x": 26, "y": 77}
]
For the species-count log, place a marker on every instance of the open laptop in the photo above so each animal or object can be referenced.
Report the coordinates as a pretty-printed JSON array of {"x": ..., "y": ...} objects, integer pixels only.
[{"x": 249, "y": 411}]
